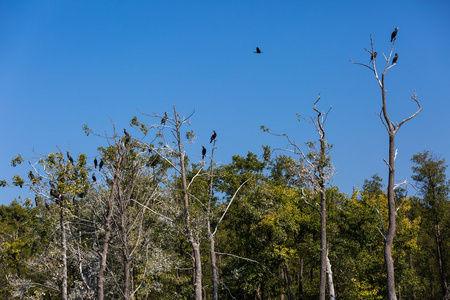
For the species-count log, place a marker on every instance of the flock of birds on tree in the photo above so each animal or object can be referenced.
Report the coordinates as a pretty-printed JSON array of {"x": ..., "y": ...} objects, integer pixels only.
[{"x": 393, "y": 38}]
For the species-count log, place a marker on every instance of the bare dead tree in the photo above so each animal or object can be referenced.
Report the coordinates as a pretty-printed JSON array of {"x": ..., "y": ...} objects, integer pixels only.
[
  {"x": 317, "y": 170},
  {"x": 392, "y": 129}
]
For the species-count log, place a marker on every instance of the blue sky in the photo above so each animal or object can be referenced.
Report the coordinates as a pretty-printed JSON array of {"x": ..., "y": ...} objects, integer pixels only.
[{"x": 68, "y": 63}]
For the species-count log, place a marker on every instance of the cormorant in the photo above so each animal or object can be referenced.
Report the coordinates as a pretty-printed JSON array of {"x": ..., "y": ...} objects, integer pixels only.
[
  {"x": 94, "y": 178},
  {"x": 373, "y": 56},
  {"x": 203, "y": 152},
  {"x": 70, "y": 158},
  {"x": 126, "y": 133},
  {"x": 394, "y": 34},
  {"x": 31, "y": 175},
  {"x": 100, "y": 166},
  {"x": 95, "y": 162},
  {"x": 54, "y": 194},
  {"x": 213, "y": 137},
  {"x": 127, "y": 136},
  {"x": 164, "y": 119},
  {"x": 394, "y": 60},
  {"x": 257, "y": 51}
]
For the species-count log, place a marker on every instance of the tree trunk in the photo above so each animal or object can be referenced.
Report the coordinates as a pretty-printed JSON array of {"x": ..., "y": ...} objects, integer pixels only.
[
  {"x": 107, "y": 228},
  {"x": 64, "y": 252},
  {"x": 392, "y": 222},
  {"x": 194, "y": 244},
  {"x": 442, "y": 271},
  {"x": 330, "y": 280},
  {"x": 323, "y": 244},
  {"x": 288, "y": 280},
  {"x": 300, "y": 280}
]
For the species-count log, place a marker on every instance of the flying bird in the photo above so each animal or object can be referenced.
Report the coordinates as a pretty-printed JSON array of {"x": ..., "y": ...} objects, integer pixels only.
[
  {"x": 203, "y": 152},
  {"x": 69, "y": 157},
  {"x": 94, "y": 178},
  {"x": 213, "y": 137},
  {"x": 373, "y": 56},
  {"x": 95, "y": 162},
  {"x": 257, "y": 51},
  {"x": 394, "y": 60},
  {"x": 100, "y": 166},
  {"x": 164, "y": 119},
  {"x": 394, "y": 34}
]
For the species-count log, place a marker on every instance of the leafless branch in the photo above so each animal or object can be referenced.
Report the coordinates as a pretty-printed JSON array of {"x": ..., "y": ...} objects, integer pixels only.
[
  {"x": 229, "y": 204},
  {"x": 304, "y": 200},
  {"x": 414, "y": 97},
  {"x": 382, "y": 224},
  {"x": 153, "y": 211}
]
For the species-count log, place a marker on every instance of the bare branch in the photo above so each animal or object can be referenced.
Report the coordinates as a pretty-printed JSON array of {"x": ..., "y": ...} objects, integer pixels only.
[
  {"x": 155, "y": 212},
  {"x": 304, "y": 199},
  {"x": 387, "y": 164},
  {"x": 414, "y": 97},
  {"x": 382, "y": 224},
  {"x": 229, "y": 204}
]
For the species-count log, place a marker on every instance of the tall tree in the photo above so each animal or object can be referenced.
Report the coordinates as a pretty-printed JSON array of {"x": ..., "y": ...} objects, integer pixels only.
[
  {"x": 392, "y": 129},
  {"x": 429, "y": 174}
]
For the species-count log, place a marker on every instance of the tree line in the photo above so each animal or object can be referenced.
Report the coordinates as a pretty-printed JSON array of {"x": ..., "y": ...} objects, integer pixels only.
[{"x": 152, "y": 221}]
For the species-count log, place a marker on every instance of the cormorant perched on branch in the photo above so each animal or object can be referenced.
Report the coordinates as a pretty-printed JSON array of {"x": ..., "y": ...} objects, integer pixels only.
[
  {"x": 213, "y": 137},
  {"x": 394, "y": 34},
  {"x": 94, "y": 178},
  {"x": 95, "y": 162},
  {"x": 164, "y": 119},
  {"x": 203, "y": 152},
  {"x": 100, "y": 166},
  {"x": 31, "y": 175},
  {"x": 394, "y": 60},
  {"x": 373, "y": 56},
  {"x": 257, "y": 51},
  {"x": 126, "y": 133},
  {"x": 70, "y": 158},
  {"x": 54, "y": 193},
  {"x": 127, "y": 136}
]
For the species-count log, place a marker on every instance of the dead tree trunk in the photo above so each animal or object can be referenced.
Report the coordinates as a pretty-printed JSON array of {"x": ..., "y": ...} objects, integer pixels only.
[
  {"x": 63, "y": 250},
  {"x": 392, "y": 129},
  {"x": 212, "y": 251},
  {"x": 107, "y": 228},
  {"x": 187, "y": 219}
]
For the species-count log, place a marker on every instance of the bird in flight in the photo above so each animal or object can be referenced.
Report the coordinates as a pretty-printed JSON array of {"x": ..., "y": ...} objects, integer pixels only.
[
  {"x": 394, "y": 34},
  {"x": 213, "y": 137},
  {"x": 373, "y": 56},
  {"x": 394, "y": 60},
  {"x": 257, "y": 51}
]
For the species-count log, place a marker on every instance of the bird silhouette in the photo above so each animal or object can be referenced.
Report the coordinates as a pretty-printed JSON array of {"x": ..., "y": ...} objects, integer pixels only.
[
  {"x": 95, "y": 162},
  {"x": 94, "y": 178},
  {"x": 257, "y": 51},
  {"x": 373, "y": 56},
  {"x": 31, "y": 175},
  {"x": 394, "y": 60},
  {"x": 69, "y": 157},
  {"x": 164, "y": 119},
  {"x": 203, "y": 152},
  {"x": 394, "y": 34},
  {"x": 100, "y": 166},
  {"x": 213, "y": 137}
]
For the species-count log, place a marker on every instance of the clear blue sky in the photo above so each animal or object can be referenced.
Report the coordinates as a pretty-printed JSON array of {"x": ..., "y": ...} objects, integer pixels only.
[{"x": 68, "y": 63}]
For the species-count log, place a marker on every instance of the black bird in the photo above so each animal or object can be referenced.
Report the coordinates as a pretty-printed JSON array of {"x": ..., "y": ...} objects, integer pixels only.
[
  {"x": 257, "y": 51},
  {"x": 213, "y": 137},
  {"x": 54, "y": 193},
  {"x": 31, "y": 175},
  {"x": 203, "y": 152},
  {"x": 94, "y": 178},
  {"x": 127, "y": 136},
  {"x": 373, "y": 56},
  {"x": 394, "y": 60},
  {"x": 164, "y": 119},
  {"x": 95, "y": 162},
  {"x": 100, "y": 166},
  {"x": 126, "y": 133},
  {"x": 394, "y": 34},
  {"x": 70, "y": 158}
]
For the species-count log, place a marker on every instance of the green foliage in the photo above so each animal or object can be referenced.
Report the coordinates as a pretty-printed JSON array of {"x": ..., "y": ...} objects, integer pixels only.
[{"x": 17, "y": 160}]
